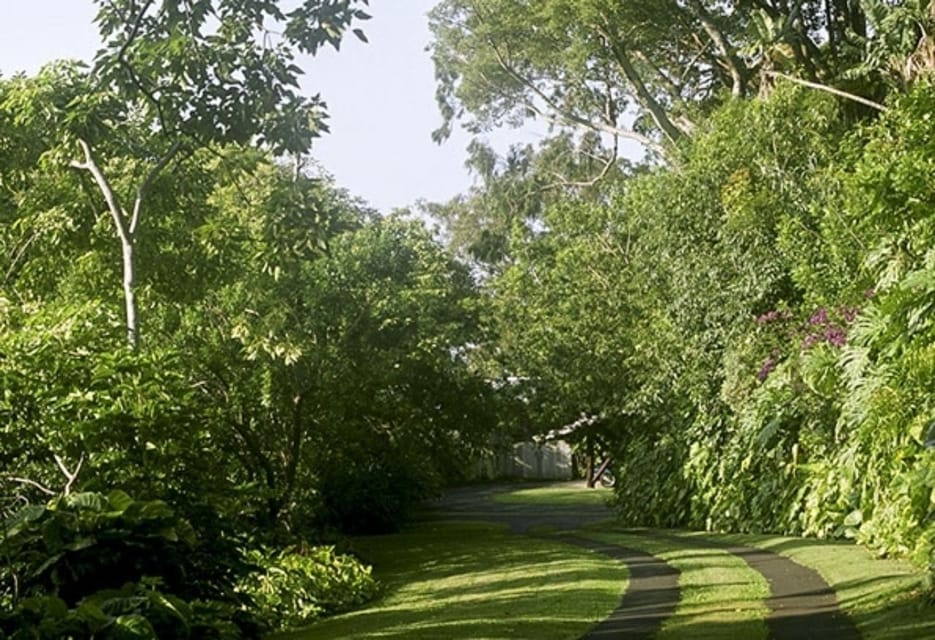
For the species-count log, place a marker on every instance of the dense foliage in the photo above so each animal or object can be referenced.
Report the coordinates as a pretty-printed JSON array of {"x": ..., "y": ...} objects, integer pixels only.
[
  {"x": 296, "y": 586},
  {"x": 742, "y": 316},
  {"x": 744, "y": 319},
  {"x": 259, "y": 360},
  {"x": 89, "y": 565}
]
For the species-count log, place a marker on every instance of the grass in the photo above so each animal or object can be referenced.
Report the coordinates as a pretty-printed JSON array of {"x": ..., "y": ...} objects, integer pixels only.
[
  {"x": 886, "y": 598},
  {"x": 721, "y": 596},
  {"x": 477, "y": 581},
  {"x": 565, "y": 494}
]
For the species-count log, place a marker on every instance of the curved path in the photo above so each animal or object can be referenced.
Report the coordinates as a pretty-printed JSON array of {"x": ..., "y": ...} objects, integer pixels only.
[{"x": 802, "y": 605}]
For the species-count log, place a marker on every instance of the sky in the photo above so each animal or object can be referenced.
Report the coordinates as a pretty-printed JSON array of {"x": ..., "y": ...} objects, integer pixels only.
[{"x": 380, "y": 96}]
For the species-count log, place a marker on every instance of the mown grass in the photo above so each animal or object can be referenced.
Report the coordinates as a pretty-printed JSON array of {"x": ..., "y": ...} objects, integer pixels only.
[
  {"x": 477, "y": 581},
  {"x": 565, "y": 494},
  {"x": 887, "y": 599},
  {"x": 722, "y": 598}
]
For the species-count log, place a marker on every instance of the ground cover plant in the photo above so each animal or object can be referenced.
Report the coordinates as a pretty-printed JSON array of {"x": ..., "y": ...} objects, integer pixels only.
[{"x": 476, "y": 580}]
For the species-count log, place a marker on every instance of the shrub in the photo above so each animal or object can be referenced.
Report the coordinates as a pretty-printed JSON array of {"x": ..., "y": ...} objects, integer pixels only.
[
  {"x": 301, "y": 584},
  {"x": 89, "y": 565}
]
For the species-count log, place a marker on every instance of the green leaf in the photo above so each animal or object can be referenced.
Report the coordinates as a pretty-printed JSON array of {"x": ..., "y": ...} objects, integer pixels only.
[
  {"x": 49, "y": 562},
  {"x": 119, "y": 501},
  {"x": 93, "y": 616},
  {"x": 22, "y": 518},
  {"x": 81, "y": 543},
  {"x": 136, "y": 627},
  {"x": 86, "y": 500},
  {"x": 854, "y": 519}
]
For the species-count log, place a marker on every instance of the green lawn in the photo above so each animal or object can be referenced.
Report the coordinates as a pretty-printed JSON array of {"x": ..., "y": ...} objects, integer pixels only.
[
  {"x": 885, "y": 597},
  {"x": 477, "y": 581},
  {"x": 566, "y": 494},
  {"x": 721, "y": 597}
]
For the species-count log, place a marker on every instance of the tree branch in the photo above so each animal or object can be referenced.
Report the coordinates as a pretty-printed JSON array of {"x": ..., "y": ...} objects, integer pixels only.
[
  {"x": 152, "y": 175},
  {"x": 645, "y": 98},
  {"x": 134, "y": 78},
  {"x": 71, "y": 476},
  {"x": 566, "y": 117},
  {"x": 730, "y": 59},
  {"x": 116, "y": 211},
  {"x": 608, "y": 164},
  {"x": 831, "y": 90},
  {"x": 31, "y": 483}
]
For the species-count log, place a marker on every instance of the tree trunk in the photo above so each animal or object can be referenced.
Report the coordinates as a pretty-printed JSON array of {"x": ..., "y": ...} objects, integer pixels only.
[
  {"x": 643, "y": 95},
  {"x": 125, "y": 225},
  {"x": 129, "y": 296}
]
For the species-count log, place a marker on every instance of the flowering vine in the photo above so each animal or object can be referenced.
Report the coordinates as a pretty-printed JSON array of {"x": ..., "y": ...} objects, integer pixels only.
[{"x": 822, "y": 327}]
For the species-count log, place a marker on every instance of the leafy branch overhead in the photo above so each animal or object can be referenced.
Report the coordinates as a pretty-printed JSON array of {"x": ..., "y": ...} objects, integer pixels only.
[
  {"x": 220, "y": 71},
  {"x": 650, "y": 71},
  {"x": 196, "y": 74}
]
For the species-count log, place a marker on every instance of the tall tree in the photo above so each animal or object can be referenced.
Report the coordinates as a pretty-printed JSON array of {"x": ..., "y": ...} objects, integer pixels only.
[
  {"x": 191, "y": 75},
  {"x": 649, "y": 71}
]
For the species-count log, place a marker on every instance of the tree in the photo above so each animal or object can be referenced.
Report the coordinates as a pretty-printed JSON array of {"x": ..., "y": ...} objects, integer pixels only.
[
  {"x": 623, "y": 70},
  {"x": 192, "y": 75},
  {"x": 645, "y": 71}
]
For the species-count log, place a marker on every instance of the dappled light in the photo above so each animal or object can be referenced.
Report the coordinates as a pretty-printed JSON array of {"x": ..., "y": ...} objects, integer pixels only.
[
  {"x": 449, "y": 579},
  {"x": 239, "y": 402}
]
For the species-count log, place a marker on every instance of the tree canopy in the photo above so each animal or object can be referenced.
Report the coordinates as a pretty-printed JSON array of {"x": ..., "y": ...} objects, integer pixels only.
[{"x": 741, "y": 316}]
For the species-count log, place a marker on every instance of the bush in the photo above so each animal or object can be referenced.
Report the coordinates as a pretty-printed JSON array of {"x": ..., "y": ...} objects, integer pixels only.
[
  {"x": 298, "y": 585},
  {"x": 136, "y": 611},
  {"x": 108, "y": 566}
]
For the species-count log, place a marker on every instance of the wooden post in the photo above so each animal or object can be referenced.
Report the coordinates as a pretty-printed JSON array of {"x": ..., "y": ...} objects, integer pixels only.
[{"x": 590, "y": 463}]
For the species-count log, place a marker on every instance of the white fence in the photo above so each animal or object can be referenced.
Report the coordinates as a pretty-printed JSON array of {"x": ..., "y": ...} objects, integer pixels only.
[{"x": 529, "y": 461}]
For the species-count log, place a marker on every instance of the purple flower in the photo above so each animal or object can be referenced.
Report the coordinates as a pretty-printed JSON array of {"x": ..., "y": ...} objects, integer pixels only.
[
  {"x": 769, "y": 316},
  {"x": 810, "y": 340},
  {"x": 836, "y": 336},
  {"x": 819, "y": 318},
  {"x": 765, "y": 370},
  {"x": 849, "y": 314}
]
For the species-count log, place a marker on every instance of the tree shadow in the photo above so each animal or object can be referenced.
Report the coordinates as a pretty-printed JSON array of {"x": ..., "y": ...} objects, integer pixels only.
[{"x": 482, "y": 582}]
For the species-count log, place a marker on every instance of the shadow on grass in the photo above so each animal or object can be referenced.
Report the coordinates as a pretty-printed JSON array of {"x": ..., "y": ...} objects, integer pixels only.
[
  {"x": 910, "y": 616},
  {"x": 471, "y": 581},
  {"x": 886, "y": 599}
]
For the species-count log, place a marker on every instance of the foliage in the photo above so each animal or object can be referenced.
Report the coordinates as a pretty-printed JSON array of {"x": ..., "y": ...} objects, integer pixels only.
[
  {"x": 89, "y": 565},
  {"x": 295, "y": 586},
  {"x": 648, "y": 72},
  {"x": 208, "y": 70},
  {"x": 306, "y": 367},
  {"x": 134, "y": 612},
  {"x": 747, "y": 331}
]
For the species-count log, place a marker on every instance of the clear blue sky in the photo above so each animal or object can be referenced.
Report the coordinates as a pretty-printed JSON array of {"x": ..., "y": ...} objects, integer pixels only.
[{"x": 380, "y": 96}]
